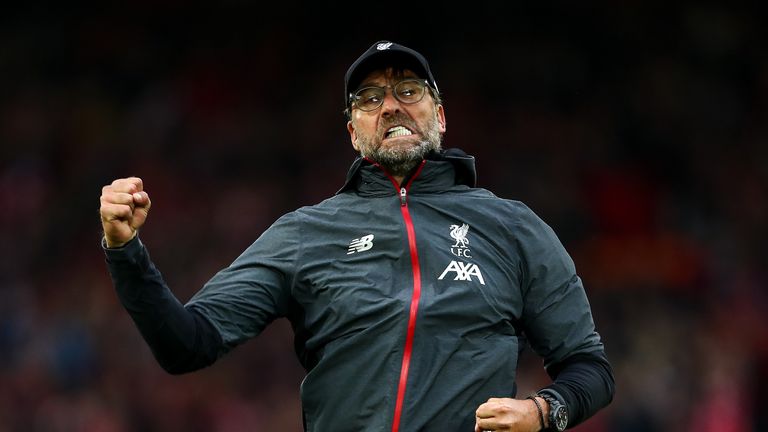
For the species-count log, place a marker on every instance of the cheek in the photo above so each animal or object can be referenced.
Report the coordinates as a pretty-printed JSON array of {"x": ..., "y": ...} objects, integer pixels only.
[{"x": 365, "y": 127}]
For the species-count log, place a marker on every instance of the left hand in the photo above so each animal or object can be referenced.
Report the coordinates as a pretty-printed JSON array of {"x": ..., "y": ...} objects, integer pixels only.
[{"x": 507, "y": 414}]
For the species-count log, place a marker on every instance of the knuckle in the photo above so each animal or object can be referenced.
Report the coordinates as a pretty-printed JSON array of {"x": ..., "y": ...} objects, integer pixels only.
[
  {"x": 109, "y": 197},
  {"x": 137, "y": 181},
  {"x": 124, "y": 185},
  {"x": 123, "y": 210}
]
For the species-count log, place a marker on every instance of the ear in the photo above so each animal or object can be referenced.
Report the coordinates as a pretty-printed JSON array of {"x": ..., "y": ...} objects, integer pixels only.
[
  {"x": 441, "y": 118},
  {"x": 352, "y": 135}
]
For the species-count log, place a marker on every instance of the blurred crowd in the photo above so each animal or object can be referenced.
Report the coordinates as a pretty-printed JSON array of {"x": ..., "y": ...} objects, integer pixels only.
[{"x": 638, "y": 132}]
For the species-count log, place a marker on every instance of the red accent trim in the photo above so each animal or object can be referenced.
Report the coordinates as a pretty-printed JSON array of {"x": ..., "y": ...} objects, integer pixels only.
[
  {"x": 416, "y": 268},
  {"x": 416, "y": 174},
  {"x": 392, "y": 179}
]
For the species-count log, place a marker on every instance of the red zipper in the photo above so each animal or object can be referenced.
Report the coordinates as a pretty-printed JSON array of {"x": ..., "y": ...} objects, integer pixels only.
[{"x": 415, "y": 296}]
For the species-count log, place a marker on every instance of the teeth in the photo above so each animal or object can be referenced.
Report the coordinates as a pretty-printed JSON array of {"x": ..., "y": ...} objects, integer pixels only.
[{"x": 398, "y": 131}]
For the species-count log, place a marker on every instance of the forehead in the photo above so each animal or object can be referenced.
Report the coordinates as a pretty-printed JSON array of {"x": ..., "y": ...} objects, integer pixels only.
[{"x": 387, "y": 75}]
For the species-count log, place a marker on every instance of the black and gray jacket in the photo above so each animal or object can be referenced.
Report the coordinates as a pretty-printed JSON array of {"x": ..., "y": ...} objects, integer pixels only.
[{"x": 410, "y": 304}]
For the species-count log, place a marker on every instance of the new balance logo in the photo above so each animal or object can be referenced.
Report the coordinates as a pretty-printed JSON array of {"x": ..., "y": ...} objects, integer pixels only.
[
  {"x": 360, "y": 244},
  {"x": 464, "y": 271}
]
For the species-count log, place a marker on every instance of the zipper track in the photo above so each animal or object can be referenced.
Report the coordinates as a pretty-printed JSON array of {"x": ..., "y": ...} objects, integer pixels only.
[{"x": 415, "y": 297}]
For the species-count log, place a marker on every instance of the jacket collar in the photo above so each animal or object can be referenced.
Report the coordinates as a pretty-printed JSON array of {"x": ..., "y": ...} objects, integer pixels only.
[{"x": 441, "y": 171}]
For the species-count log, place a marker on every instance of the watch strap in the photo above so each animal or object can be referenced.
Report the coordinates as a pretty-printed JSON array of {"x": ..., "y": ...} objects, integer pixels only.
[{"x": 555, "y": 403}]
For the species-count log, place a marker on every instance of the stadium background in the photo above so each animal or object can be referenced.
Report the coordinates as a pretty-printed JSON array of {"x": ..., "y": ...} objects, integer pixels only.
[{"x": 637, "y": 130}]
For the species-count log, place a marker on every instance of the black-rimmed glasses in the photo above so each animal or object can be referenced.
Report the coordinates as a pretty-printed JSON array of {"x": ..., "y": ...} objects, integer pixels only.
[{"x": 408, "y": 91}]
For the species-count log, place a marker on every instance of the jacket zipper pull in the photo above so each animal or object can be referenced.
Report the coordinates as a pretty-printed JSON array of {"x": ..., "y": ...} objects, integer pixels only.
[{"x": 402, "y": 196}]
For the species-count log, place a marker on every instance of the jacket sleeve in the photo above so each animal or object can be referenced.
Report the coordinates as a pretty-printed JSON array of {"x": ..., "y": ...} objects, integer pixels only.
[
  {"x": 236, "y": 304},
  {"x": 557, "y": 320},
  {"x": 242, "y": 299},
  {"x": 181, "y": 339}
]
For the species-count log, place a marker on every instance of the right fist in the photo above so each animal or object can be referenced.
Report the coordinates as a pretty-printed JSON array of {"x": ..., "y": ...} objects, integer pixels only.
[{"x": 124, "y": 209}]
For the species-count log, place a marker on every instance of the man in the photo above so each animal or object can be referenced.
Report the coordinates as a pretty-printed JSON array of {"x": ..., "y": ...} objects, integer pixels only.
[{"x": 410, "y": 291}]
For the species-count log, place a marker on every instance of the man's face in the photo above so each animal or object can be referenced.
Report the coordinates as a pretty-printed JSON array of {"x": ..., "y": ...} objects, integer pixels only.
[{"x": 396, "y": 135}]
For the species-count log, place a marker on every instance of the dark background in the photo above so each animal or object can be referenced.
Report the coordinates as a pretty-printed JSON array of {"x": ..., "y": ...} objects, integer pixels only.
[{"x": 637, "y": 130}]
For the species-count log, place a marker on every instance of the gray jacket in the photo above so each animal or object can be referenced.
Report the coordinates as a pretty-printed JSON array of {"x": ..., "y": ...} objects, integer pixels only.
[{"x": 409, "y": 305}]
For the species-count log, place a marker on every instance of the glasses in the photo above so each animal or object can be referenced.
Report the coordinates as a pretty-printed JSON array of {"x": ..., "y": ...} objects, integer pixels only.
[{"x": 407, "y": 91}]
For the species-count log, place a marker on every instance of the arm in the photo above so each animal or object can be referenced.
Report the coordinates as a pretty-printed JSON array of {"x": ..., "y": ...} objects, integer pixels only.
[
  {"x": 558, "y": 322},
  {"x": 236, "y": 304},
  {"x": 181, "y": 339},
  {"x": 584, "y": 382}
]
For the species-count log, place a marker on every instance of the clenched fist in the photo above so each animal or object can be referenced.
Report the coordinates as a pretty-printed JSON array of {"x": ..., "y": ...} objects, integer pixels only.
[
  {"x": 124, "y": 209},
  {"x": 512, "y": 415}
]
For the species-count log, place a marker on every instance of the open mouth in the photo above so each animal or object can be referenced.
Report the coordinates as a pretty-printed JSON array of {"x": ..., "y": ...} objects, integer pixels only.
[{"x": 397, "y": 131}]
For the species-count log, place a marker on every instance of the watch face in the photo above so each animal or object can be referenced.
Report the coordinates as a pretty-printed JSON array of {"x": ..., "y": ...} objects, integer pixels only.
[{"x": 561, "y": 418}]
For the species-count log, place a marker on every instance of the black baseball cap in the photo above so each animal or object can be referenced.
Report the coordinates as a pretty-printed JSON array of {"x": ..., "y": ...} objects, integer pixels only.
[{"x": 382, "y": 54}]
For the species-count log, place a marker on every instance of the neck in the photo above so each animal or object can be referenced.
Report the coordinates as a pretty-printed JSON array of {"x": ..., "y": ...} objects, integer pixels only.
[{"x": 397, "y": 177}]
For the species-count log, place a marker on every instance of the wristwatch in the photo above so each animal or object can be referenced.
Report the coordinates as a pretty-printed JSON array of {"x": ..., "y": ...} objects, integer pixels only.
[{"x": 558, "y": 412}]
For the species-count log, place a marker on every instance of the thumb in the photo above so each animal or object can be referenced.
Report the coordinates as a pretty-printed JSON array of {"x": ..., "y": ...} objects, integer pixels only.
[{"x": 141, "y": 203}]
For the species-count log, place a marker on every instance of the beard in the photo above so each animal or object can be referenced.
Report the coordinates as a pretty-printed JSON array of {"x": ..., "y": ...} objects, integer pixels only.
[{"x": 399, "y": 158}]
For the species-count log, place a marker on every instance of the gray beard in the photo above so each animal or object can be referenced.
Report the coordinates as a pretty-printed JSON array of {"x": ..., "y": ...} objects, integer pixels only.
[{"x": 400, "y": 161}]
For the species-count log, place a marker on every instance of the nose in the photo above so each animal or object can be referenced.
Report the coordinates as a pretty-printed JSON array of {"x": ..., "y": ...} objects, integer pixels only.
[{"x": 390, "y": 104}]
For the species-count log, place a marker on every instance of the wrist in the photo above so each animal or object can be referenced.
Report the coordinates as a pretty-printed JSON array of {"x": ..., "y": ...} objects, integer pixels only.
[
  {"x": 541, "y": 411},
  {"x": 556, "y": 415},
  {"x": 112, "y": 244}
]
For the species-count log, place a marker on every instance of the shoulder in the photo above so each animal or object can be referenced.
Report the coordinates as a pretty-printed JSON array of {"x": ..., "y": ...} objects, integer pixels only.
[
  {"x": 326, "y": 206},
  {"x": 331, "y": 210},
  {"x": 513, "y": 210}
]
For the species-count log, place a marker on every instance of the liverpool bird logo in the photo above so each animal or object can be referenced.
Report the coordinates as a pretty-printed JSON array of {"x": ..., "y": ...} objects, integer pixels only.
[{"x": 459, "y": 233}]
